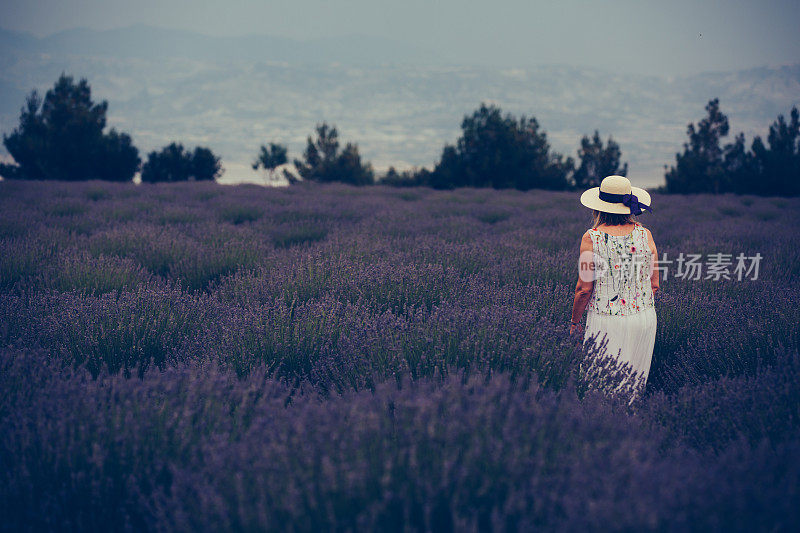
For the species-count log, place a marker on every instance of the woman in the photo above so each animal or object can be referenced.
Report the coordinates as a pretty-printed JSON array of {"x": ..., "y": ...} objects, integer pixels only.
[{"x": 618, "y": 277}]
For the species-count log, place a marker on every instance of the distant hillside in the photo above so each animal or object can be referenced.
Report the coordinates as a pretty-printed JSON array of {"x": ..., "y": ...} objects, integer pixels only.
[
  {"x": 150, "y": 43},
  {"x": 399, "y": 103}
]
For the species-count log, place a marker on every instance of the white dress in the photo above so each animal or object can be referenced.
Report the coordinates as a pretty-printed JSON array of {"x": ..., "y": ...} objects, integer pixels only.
[{"x": 622, "y": 308}]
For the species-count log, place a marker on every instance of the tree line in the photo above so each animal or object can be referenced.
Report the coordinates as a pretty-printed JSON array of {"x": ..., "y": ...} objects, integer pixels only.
[
  {"x": 766, "y": 169},
  {"x": 61, "y": 136}
]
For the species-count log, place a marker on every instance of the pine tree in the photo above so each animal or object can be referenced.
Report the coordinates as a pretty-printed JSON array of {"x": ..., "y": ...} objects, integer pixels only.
[
  {"x": 597, "y": 162},
  {"x": 175, "y": 163},
  {"x": 61, "y": 137},
  {"x": 700, "y": 168},
  {"x": 325, "y": 163},
  {"x": 500, "y": 151},
  {"x": 271, "y": 158},
  {"x": 778, "y": 167}
]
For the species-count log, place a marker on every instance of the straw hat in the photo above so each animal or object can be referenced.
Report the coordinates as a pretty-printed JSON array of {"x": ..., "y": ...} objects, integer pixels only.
[{"x": 616, "y": 195}]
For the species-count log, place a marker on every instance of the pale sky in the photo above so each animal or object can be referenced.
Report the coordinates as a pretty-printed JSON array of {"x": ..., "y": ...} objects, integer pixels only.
[{"x": 642, "y": 36}]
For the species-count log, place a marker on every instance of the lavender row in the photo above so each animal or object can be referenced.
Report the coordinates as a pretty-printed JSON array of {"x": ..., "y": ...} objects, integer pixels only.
[
  {"x": 337, "y": 282},
  {"x": 196, "y": 447},
  {"x": 195, "y": 355}
]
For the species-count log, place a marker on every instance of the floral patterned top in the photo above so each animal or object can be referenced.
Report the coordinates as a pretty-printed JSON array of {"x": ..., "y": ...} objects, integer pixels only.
[{"x": 623, "y": 266}]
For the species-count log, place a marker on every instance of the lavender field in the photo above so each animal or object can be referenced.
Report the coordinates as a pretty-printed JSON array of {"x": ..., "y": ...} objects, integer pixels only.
[{"x": 323, "y": 357}]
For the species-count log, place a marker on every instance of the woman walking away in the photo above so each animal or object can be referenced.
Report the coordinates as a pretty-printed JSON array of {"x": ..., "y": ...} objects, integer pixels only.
[{"x": 618, "y": 277}]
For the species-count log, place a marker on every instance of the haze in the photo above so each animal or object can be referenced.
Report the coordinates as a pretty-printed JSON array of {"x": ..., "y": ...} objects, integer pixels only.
[{"x": 666, "y": 38}]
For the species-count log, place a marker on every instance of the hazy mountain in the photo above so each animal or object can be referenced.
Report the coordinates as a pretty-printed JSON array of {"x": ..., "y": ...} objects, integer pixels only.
[
  {"x": 147, "y": 42},
  {"x": 399, "y": 103}
]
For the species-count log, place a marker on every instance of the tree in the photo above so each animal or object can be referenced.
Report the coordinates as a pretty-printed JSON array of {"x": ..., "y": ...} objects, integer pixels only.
[
  {"x": 408, "y": 178},
  {"x": 205, "y": 165},
  {"x": 770, "y": 169},
  {"x": 739, "y": 166},
  {"x": 700, "y": 168},
  {"x": 597, "y": 162},
  {"x": 778, "y": 167},
  {"x": 175, "y": 163},
  {"x": 324, "y": 162},
  {"x": 271, "y": 158},
  {"x": 61, "y": 137},
  {"x": 500, "y": 152},
  {"x": 118, "y": 159}
]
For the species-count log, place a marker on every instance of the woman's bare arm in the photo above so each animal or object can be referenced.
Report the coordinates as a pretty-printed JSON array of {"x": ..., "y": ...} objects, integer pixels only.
[
  {"x": 585, "y": 285},
  {"x": 654, "y": 277}
]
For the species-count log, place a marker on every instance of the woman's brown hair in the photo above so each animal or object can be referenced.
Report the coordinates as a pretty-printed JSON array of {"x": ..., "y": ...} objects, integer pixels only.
[{"x": 611, "y": 219}]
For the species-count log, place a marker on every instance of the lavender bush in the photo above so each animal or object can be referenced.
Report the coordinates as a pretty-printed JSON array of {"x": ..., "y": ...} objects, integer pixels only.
[
  {"x": 328, "y": 357},
  {"x": 198, "y": 447}
]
